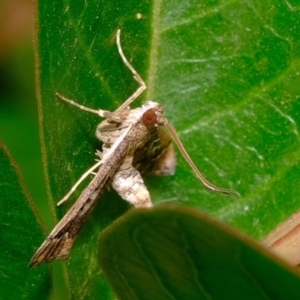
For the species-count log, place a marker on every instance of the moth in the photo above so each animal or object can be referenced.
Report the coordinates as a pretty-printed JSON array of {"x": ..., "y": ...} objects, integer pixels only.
[{"x": 133, "y": 144}]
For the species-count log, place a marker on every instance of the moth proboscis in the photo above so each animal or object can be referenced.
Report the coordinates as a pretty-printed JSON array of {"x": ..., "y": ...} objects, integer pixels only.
[{"x": 130, "y": 137}]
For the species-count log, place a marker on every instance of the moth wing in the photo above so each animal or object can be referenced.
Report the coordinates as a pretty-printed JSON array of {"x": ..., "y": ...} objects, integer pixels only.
[
  {"x": 157, "y": 156},
  {"x": 61, "y": 239}
]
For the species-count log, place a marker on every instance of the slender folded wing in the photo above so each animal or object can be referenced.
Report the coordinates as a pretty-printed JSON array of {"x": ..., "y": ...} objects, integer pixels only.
[{"x": 60, "y": 241}]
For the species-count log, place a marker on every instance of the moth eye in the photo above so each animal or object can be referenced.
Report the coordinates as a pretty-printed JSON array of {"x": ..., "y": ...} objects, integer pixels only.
[{"x": 149, "y": 117}]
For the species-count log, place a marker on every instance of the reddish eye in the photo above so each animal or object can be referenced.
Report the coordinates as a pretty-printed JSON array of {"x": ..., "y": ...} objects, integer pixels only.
[{"x": 149, "y": 117}]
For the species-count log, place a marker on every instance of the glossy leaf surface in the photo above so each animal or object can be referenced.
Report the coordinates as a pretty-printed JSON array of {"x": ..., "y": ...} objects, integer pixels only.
[{"x": 227, "y": 76}]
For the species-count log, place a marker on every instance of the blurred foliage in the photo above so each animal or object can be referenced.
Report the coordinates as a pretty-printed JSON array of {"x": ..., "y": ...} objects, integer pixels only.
[
  {"x": 191, "y": 256},
  {"x": 19, "y": 131},
  {"x": 19, "y": 128},
  {"x": 19, "y": 227}
]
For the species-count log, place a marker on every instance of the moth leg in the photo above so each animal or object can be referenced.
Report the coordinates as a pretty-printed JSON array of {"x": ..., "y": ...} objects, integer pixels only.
[
  {"x": 112, "y": 116},
  {"x": 136, "y": 76},
  {"x": 100, "y": 112},
  {"x": 74, "y": 187},
  {"x": 99, "y": 153}
]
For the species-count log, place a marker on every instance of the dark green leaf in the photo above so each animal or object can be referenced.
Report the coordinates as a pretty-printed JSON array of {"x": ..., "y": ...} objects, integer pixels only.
[
  {"x": 20, "y": 228},
  {"x": 78, "y": 58},
  {"x": 176, "y": 253},
  {"x": 227, "y": 76}
]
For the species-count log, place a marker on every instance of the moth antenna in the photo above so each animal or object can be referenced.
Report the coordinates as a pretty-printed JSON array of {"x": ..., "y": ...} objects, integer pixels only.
[{"x": 232, "y": 193}]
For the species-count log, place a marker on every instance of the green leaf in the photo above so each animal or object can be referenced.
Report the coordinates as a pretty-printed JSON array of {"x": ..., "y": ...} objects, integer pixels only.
[
  {"x": 77, "y": 53},
  {"x": 20, "y": 228},
  {"x": 177, "y": 253},
  {"x": 227, "y": 76}
]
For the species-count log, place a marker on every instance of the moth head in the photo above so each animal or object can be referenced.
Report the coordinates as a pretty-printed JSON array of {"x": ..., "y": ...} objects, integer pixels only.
[{"x": 152, "y": 114}]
